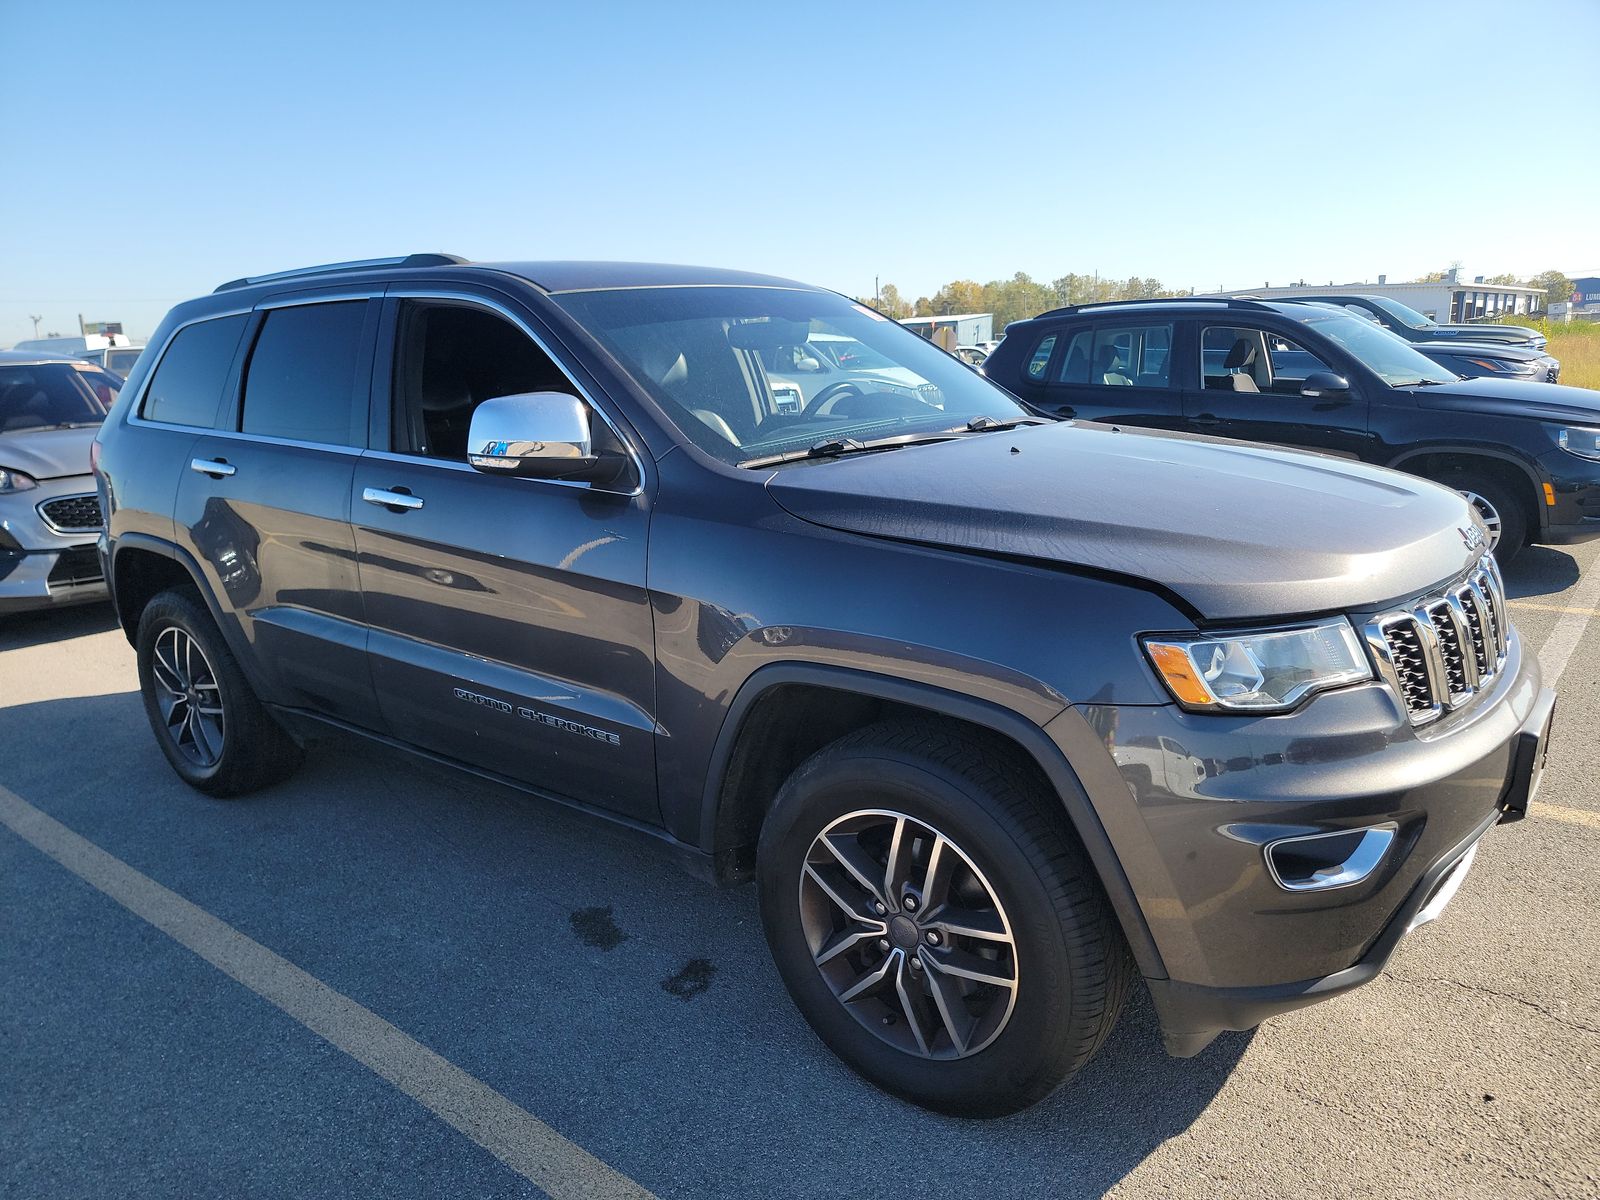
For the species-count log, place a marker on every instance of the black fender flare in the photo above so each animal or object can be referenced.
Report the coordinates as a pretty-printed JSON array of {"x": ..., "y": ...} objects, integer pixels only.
[
  {"x": 160, "y": 546},
  {"x": 1528, "y": 469},
  {"x": 1025, "y": 733}
]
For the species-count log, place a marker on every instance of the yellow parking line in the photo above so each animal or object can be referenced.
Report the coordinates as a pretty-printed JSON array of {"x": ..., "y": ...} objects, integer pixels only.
[
  {"x": 516, "y": 1137},
  {"x": 1570, "y": 816},
  {"x": 1555, "y": 608}
]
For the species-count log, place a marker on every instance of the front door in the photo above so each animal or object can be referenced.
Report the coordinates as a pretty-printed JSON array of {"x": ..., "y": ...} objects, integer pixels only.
[
  {"x": 510, "y": 628},
  {"x": 1246, "y": 385}
]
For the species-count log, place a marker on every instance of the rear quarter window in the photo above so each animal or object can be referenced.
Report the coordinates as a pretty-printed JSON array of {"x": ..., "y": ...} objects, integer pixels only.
[
  {"x": 1040, "y": 362},
  {"x": 186, "y": 388}
]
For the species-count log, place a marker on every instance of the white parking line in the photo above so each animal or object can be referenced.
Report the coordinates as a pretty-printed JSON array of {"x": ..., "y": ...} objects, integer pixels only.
[
  {"x": 513, "y": 1135},
  {"x": 1562, "y": 643}
]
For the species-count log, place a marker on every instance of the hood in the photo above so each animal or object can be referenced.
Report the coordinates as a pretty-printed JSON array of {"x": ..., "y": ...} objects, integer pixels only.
[
  {"x": 1513, "y": 398},
  {"x": 1515, "y": 334},
  {"x": 1233, "y": 529},
  {"x": 47, "y": 453},
  {"x": 1503, "y": 350}
]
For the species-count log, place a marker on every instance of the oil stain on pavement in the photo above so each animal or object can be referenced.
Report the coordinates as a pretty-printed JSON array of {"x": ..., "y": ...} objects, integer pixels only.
[
  {"x": 596, "y": 928},
  {"x": 694, "y": 980}
]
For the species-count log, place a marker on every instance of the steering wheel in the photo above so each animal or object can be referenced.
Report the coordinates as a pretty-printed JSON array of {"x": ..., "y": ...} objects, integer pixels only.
[{"x": 828, "y": 396}]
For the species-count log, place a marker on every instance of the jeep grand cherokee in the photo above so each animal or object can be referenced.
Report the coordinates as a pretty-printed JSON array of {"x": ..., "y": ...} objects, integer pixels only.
[{"x": 1002, "y": 714}]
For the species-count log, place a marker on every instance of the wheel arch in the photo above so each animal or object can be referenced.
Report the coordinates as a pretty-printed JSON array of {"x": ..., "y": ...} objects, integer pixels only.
[
  {"x": 143, "y": 566},
  {"x": 785, "y": 712},
  {"x": 1439, "y": 462}
]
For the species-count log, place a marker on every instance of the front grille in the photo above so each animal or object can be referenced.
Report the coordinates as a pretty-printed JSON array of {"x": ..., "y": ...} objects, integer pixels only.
[
  {"x": 1442, "y": 651},
  {"x": 81, "y": 564},
  {"x": 72, "y": 514}
]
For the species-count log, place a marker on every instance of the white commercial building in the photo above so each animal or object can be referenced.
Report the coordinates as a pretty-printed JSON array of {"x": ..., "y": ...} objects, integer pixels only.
[
  {"x": 970, "y": 328},
  {"x": 1451, "y": 300}
]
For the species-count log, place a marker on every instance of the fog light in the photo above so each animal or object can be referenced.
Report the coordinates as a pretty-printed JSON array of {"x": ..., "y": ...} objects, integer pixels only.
[{"x": 1320, "y": 862}]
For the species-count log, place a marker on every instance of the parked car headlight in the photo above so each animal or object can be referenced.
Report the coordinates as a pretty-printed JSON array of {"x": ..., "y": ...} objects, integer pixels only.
[
  {"x": 1268, "y": 670},
  {"x": 1585, "y": 443},
  {"x": 1503, "y": 366},
  {"x": 15, "y": 481}
]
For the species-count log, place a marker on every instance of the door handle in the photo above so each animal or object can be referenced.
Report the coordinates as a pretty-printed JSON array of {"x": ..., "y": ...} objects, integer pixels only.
[
  {"x": 1205, "y": 420},
  {"x": 389, "y": 499},
  {"x": 1066, "y": 410},
  {"x": 217, "y": 468}
]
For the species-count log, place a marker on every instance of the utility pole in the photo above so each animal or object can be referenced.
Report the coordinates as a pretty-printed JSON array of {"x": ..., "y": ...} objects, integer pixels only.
[
  {"x": 35, "y": 321},
  {"x": 80, "y": 324},
  {"x": 876, "y": 302}
]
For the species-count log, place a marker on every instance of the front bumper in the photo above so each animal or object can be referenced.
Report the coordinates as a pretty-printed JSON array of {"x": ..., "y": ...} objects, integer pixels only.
[
  {"x": 43, "y": 565},
  {"x": 1191, "y": 803},
  {"x": 1575, "y": 489}
]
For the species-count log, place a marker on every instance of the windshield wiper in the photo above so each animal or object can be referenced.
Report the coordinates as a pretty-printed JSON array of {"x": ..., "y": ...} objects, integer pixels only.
[{"x": 837, "y": 447}]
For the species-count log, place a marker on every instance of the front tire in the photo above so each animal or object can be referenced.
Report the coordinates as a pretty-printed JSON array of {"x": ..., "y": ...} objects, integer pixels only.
[
  {"x": 936, "y": 923},
  {"x": 1502, "y": 513},
  {"x": 206, "y": 718}
]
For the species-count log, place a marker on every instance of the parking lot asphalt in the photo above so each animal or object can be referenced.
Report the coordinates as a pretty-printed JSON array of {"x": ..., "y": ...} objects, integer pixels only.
[{"x": 382, "y": 979}]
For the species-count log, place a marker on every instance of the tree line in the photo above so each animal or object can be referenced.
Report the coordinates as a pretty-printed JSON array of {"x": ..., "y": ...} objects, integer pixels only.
[
  {"x": 1017, "y": 298},
  {"x": 1022, "y": 296}
]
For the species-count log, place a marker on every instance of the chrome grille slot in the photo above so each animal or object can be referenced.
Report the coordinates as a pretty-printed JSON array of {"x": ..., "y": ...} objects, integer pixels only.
[
  {"x": 1404, "y": 640},
  {"x": 1445, "y": 649},
  {"x": 1450, "y": 649}
]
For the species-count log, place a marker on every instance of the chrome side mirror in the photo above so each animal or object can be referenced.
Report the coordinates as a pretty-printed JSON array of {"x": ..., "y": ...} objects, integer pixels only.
[{"x": 537, "y": 435}]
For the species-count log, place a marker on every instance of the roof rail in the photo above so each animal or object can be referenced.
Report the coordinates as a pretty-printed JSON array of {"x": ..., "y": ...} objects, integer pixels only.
[
  {"x": 361, "y": 264},
  {"x": 1226, "y": 301}
]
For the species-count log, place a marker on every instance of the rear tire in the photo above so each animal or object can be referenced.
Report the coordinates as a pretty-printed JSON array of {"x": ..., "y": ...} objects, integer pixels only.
[
  {"x": 204, "y": 714},
  {"x": 1015, "y": 900}
]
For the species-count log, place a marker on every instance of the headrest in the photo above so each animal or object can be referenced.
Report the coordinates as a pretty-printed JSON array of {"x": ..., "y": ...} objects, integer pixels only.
[{"x": 1242, "y": 355}]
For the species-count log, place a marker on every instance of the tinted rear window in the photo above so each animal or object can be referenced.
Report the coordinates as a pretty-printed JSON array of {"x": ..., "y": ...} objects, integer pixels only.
[
  {"x": 187, "y": 387},
  {"x": 301, "y": 379}
]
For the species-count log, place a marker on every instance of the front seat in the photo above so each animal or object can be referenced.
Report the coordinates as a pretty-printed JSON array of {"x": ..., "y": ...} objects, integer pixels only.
[{"x": 1239, "y": 364}]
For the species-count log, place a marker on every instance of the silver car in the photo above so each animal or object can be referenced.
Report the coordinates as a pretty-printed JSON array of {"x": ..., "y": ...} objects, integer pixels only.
[{"x": 50, "y": 408}]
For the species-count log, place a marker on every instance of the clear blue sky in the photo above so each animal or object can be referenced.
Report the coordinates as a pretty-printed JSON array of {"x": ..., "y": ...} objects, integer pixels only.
[{"x": 152, "y": 154}]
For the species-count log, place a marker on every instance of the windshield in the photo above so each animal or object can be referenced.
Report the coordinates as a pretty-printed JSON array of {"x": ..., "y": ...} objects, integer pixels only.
[
  {"x": 1379, "y": 350},
  {"x": 750, "y": 372},
  {"x": 47, "y": 395},
  {"x": 1406, "y": 316}
]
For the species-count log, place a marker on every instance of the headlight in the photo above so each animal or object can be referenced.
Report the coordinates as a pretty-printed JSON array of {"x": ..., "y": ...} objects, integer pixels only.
[
  {"x": 1267, "y": 670},
  {"x": 1504, "y": 366},
  {"x": 1585, "y": 443},
  {"x": 15, "y": 481}
]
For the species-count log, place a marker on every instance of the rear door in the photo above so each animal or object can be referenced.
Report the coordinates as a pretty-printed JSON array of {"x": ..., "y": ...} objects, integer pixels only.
[
  {"x": 1246, "y": 385},
  {"x": 264, "y": 505},
  {"x": 1117, "y": 371},
  {"x": 510, "y": 626}
]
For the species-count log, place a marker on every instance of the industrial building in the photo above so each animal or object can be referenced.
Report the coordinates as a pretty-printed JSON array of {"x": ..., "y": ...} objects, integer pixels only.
[
  {"x": 1453, "y": 299},
  {"x": 970, "y": 328}
]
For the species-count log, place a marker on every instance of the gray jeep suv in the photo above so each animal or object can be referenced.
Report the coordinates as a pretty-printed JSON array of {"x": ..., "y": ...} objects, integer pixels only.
[{"x": 1002, "y": 714}]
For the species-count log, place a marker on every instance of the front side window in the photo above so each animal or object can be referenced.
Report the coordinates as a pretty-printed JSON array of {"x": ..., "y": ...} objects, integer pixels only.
[
  {"x": 736, "y": 369},
  {"x": 54, "y": 396},
  {"x": 450, "y": 358},
  {"x": 301, "y": 380},
  {"x": 187, "y": 386}
]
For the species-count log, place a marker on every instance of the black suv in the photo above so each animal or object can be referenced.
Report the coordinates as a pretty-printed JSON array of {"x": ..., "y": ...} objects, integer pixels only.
[
  {"x": 1318, "y": 378},
  {"x": 1406, "y": 322},
  {"x": 1002, "y": 714}
]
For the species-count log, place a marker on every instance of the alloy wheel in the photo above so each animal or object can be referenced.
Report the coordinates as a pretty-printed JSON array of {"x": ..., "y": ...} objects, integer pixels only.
[
  {"x": 188, "y": 697},
  {"x": 908, "y": 934},
  {"x": 1489, "y": 513}
]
